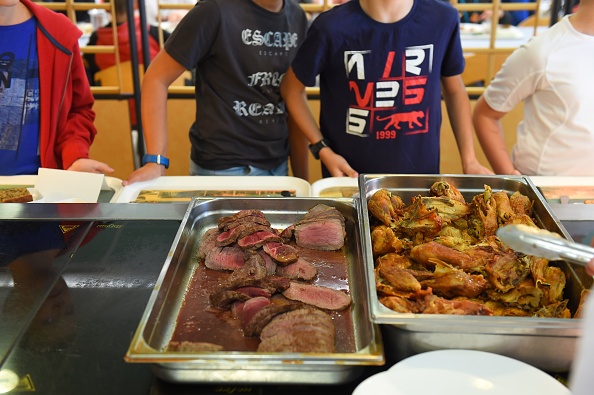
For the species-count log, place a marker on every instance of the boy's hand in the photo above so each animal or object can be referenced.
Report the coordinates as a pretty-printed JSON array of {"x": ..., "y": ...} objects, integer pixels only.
[
  {"x": 336, "y": 164},
  {"x": 145, "y": 173},
  {"x": 90, "y": 166}
]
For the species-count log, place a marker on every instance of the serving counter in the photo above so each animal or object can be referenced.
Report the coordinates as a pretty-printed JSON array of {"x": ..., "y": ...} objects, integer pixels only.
[{"x": 78, "y": 286}]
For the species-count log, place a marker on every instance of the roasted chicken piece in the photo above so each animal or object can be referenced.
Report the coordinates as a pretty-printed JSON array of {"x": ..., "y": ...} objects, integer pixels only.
[
  {"x": 483, "y": 217},
  {"x": 386, "y": 207},
  {"x": 419, "y": 220},
  {"x": 506, "y": 271},
  {"x": 383, "y": 241},
  {"x": 503, "y": 207},
  {"x": 436, "y": 305},
  {"x": 555, "y": 280},
  {"x": 525, "y": 296},
  {"x": 538, "y": 268},
  {"x": 443, "y": 188},
  {"x": 520, "y": 204},
  {"x": 399, "y": 304},
  {"x": 500, "y": 309},
  {"x": 401, "y": 272},
  {"x": 554, "y": 310},
  {"x": 450, "y": 282},
  {"x": 428, "y": 254},
  {"x": 523, "y": 219},
  {"x": 449, "y": 210}
]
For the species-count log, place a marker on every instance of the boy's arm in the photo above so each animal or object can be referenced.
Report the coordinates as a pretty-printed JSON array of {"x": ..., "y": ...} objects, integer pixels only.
[
  {"x": 293, "y": 93},
  {"x": 298, "y": 152},
  {"x": 490, "y": 135},
  {"x": 458, "y": 107},
  {"x": 161, "y": 73}
]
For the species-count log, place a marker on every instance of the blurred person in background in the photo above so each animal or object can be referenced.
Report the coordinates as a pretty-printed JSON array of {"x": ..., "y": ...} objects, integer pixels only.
[
  {"x": 46, "y": 117},
  {"x": 552, "y": 75},
  {"x": 381, "y": 74},
  {"x": 167, "y": 15},
  {"x": 104, "y": 36},
  {"x": 240, "y": 50}
]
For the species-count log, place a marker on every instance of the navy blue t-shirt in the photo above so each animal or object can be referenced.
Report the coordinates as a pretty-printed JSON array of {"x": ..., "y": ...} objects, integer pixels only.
[
  {"x": 19, "y": 99},
  {"x": 380, "y": 83}
]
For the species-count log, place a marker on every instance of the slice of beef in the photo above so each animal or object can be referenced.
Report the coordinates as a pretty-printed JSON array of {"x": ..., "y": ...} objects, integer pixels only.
[
  {"x": 254, "y": 267},
  {"x": 273, "y": 284},
  {"x": 283, "y": 254},
  {"x": 299, "y": 270},
  {"x": 322, "y": 211},
  {"x": 224, "y": 258},
  {"x": 319, "y": 296},
  {"x": 225, "y": 299},
  {"x": 270, "y": 264},
  {"x": 301, "y": 330},
  {"x": 253, "y": 325},
  {"x": 230, "y": 236},
  {"x": 258, "y": 239},
  {"x": 325, "y": 234},
  {"x": 252, "y": 308},
  {"x": 254, "y": 216},
  {"x": 208, "y": 242},
  {"x": 287, "y": 233}
]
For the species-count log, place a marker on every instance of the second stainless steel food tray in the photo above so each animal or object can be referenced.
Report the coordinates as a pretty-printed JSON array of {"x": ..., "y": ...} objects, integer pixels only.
[
  {"x": 159, "y": 319},
  {"x": 547, "y": 343}
]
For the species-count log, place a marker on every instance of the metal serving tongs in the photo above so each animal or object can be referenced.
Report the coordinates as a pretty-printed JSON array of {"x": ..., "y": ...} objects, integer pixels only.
[{"x": 545, "y": 244}]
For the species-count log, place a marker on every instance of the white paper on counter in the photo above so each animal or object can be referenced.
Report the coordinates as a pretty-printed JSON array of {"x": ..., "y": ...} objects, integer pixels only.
[{"x": 68, "y": 186}]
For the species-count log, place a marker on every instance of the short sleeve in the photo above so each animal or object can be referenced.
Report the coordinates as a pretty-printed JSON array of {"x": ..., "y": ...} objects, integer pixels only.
[
  {"x": 521, "y": 75},
  {"x": 309, "y": 61}
]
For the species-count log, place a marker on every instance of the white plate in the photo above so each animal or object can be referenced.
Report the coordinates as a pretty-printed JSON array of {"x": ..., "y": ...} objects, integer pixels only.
[
  {"x": 461, "y": 372},
  {"x": 335, "y": 187},
  {"x": 171, "y": 189}
]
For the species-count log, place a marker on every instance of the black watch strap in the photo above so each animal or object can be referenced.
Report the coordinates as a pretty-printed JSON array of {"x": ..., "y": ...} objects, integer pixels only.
[{"x": 317, "y": 147}]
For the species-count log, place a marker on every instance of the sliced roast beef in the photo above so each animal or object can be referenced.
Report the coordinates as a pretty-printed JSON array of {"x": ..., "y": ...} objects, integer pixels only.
[
  {"x": 315, "y": 295},
  {"x": 254, "y": 216},
  {"x": 270, "y": 264},
  {"x": 208, "y": 242},
  {"x": 283, "y": 254},
  {"x": 252, "y": 308},
  {"x": 224, "y": 258},
  {"x": 287, "y": 233},
  {"x": 225, "y": 299},
  {"x": 273, "y": 284},
  {"x": 299, "y": 270},
  {"x": 325, "y": 234},
  {"x": 301, "y": 330},
  {"x": 253, "y": 324},
  {"x": 230, "y": 236},
  {"x": 321, "y": 228},
  {"x": 254, "y": 267},
  {"x": 258, "y": 239},
  {"x": 322, "y": 211}
]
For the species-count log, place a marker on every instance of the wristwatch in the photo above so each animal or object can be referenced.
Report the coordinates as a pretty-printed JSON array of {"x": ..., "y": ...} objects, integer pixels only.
[
  {"x": 158, "y": 159},
  {"x": 316, "y": 147}
]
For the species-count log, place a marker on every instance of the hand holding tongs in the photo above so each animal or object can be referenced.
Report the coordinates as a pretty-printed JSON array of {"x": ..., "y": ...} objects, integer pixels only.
[{"x": 542, "y": 243}]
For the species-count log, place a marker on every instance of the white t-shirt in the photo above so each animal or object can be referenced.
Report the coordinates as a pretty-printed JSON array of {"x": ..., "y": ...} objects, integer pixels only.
[{"x": 554, "y": 75}]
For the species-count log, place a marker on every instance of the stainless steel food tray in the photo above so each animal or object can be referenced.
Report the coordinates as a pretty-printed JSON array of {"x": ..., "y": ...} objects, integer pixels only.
[
  {"x": 547, "y": 343},
  {"x": 158, "y": 321}
]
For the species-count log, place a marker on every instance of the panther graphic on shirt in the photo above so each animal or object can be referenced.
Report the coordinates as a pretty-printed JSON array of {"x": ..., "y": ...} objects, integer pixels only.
[{"x": 392, "y": 101}]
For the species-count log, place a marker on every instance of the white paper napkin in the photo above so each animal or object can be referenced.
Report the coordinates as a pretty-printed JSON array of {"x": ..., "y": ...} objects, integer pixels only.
[{"x": 70, "y": 186}]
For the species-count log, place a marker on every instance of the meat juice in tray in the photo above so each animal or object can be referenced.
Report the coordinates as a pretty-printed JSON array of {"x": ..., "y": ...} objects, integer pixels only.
[
  {"x": 424, "y": 319},
  {"x": 198, "y": 328}
]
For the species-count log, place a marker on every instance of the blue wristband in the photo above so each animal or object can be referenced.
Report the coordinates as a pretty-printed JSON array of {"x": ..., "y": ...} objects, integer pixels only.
[{"x": 158, "y": 159}]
